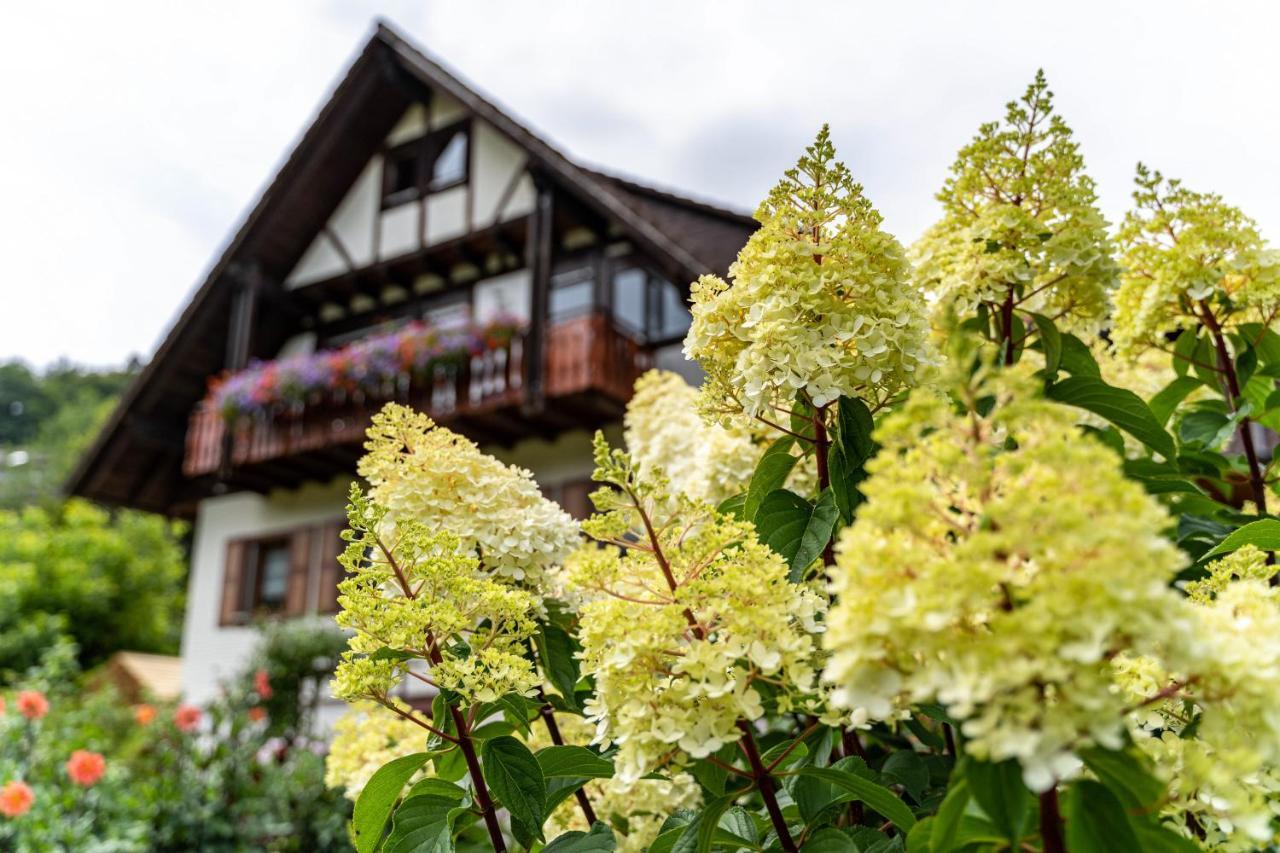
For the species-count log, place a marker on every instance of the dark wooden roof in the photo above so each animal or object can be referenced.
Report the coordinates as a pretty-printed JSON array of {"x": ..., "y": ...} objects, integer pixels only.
[{"x": 136, "y": 459}]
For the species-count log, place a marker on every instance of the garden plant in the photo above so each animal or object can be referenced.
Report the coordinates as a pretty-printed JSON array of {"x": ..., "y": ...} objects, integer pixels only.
[{"x": 965, "y": 547}]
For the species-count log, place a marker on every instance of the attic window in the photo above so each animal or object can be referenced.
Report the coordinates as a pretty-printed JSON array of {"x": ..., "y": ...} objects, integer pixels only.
[{"x": 429, "y": 164}]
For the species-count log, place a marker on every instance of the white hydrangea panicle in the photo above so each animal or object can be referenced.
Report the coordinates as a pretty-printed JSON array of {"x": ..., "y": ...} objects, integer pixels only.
[
  {"x": 414, "y": 595},
  {"x": 1190, "y": 258},
  {"x": 366, "y": 737},
  {"x": 704, "y": 460},
  {"x": 991, "y": 525},
  {"x": 1206, "y": 710},
  {"x": 820, "y": 304},
  {"x": 423, "y": 472},
  {"x": 688, "y": 616},
  {"x": 1021, "y": 226}
]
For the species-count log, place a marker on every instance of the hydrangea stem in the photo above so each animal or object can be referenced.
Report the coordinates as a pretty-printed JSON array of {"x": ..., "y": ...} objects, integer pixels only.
[
  {"x": 1051, "y": 823},
  {"x": 764, "y": 782},
  {"x": 553, "y": 728},
  {"x": 487, "y": 811},
  {"x": 1228, "y": 369}
]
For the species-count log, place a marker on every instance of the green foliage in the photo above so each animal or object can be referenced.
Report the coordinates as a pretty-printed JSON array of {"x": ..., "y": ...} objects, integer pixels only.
[
  {"x": 112, "y": 581},
  {"x": 297, "y": 658}
]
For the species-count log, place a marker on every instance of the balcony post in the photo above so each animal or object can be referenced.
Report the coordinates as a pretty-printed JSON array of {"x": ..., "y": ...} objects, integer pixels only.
[
  {"x": 246, "y": 282},
  {"x": 539, "y": 248}
]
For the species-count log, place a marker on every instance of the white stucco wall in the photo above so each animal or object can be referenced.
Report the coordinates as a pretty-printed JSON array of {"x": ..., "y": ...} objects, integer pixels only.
[
  {"x": 211, "y": 652},
  {"x": 499, "y": 189}
]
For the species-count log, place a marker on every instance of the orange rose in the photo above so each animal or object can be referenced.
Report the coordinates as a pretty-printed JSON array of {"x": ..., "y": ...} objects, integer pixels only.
[
  {"x": 86, "y": 768},
  {"x": 187, "y": 717},
  {"x": 32, "y": 704},
  {"x": 16, "y": 799}
]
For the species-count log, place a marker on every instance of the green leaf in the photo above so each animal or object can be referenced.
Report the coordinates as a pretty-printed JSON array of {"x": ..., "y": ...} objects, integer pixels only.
[
  {"x": 1246, "y": 364},
  {"x": 708, "y": 825},
  {"x": 573, "y": 761},
  {"x": 876, "y": 796},
  {"x": 735, "y": 506},
  {"x": 1125, "y": 773},
  {"x": 794, "y": 528},
  {"x": 380, "y": 793},
  {"x": 515, "y": 778},
  {"x": 560, "y": 789},
  {"x": 907, "y": 769},
  {"x": 829, "y": 840},
  {"x": 740, "y": 824},
  {"x": 999, "y": 790},
  {"x": 1264, "y": 340},
  {"x": 423, "y": 825},
  {"x": 1206, "y": 427},
  {"x": 770, "y": 474},
  {"x": 1263, "y": 533},
  {"x": 1184, "y": 349},
  {"x": 388, "y": 653},
  {"x": 436, "y": 787},
  {"x": 556, "y": 649},
  {"x": 599, "y": 840},
  {"x": 920, "y": 839},
  {"x": 1168, "y": 398},
  {"x": 1123, "y": 408},
  {"x": 1076, "y": 358},
  {"x": 855, "y": 424},
  {"x": 1096, "y": 822},
  {"x": 946, "y": 826},
  {"x": 1050, "y": 344}
]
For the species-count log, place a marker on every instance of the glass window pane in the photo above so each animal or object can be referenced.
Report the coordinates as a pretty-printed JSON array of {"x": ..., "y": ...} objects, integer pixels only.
[
  {"x": 273, "y": 569},
  {"x": 675, "y": 312},
  {"x": 628, "y": 299},
  {"x": 570, "y": 300},
  {"x": 450, "y": 166},
  {"x": 451, "y": 315}
]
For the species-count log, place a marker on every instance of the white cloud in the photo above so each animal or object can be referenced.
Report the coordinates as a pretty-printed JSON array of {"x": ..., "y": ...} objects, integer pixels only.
[{"x": 136, "y": 134}]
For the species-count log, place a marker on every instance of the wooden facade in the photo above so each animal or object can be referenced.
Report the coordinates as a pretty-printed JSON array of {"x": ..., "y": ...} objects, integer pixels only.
[{"x": 600, "y": 267}]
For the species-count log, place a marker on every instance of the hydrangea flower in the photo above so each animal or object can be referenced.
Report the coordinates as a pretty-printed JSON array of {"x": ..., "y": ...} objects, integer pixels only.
[
  {"x": 1222, "y": 677},
  {"x": 415, "y": 592},
  {"x": 999, "y": 563},
  {"x": 366, "y": 737},
  {"x": 1190, "y": 259},
  {"x": 706, "y": 461},
  {"x": 1021, "y": 227},
  {"x": 420, "y": 472},
  {"x": 821, "y": 302},
  {"x": 689, "y": 614}
]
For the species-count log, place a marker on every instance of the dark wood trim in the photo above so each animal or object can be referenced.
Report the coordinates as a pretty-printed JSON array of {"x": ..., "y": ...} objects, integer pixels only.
[
  {"x": 508, "y": 193},
  {"x": 339, "y": 247},
  {"x": 539, "y": 248}
]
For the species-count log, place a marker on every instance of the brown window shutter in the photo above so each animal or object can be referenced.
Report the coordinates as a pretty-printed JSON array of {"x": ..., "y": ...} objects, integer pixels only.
[
  {"x": 331, "y": 571},
  {"x": 295, "y": 601},
  {"x": 232, "y": 611},
  {"x": 575, "y": 497}
]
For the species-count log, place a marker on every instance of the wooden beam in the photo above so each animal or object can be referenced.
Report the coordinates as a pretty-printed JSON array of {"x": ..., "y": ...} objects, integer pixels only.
[{"x": 539, "y": 248}]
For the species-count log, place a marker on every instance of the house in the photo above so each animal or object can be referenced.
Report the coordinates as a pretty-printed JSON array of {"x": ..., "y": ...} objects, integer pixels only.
[{"x": 422, "y": 245}]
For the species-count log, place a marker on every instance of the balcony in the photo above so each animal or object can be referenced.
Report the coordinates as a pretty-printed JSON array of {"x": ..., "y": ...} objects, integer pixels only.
[{"x": 588, "y": 372}]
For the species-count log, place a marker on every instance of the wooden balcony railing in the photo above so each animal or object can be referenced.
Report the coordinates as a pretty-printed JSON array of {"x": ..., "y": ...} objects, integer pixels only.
[{"x": 584, "y": 354}]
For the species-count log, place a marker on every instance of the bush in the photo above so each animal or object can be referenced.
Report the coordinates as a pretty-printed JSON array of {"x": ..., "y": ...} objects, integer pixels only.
[{"x": 110, "y": 581}]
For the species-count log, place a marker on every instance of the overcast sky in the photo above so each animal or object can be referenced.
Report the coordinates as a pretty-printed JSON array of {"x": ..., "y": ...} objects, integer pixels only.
[{"x": 134, "y": 136}]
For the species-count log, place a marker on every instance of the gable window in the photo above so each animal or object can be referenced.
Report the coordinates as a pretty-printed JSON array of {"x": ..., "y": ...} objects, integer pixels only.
[{"x": 429, "y": 164}]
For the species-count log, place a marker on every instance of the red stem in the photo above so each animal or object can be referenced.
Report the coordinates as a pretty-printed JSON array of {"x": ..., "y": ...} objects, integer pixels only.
[
  {"x": 1228, "y": 369},
  {"x": 1051, "y": 823},
  {"x": 764, "y": 782}
]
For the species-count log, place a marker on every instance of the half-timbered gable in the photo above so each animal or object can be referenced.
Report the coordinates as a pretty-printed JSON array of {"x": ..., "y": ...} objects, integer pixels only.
[{"x": 421, "y": 245}]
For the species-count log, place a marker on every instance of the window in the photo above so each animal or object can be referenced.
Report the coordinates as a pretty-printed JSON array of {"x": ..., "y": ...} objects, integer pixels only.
[
  {"x": 649, "y": 307},
  {"x": 629, "y": 288},
  {"x": 269, "y": 575},
  {"x": 450, "y": 165},
  {"x": 572, "y": 293},
  {"x": 429, "y": 164}
]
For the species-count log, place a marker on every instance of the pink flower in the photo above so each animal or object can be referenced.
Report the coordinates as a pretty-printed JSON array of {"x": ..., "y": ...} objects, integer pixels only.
[
  {"x": 86, "y": 768},
  {"x": 16, "y": 798},
  {"x": 2, "y": 705},
  {"x": 262, "y": 684},
  {"x": 257, "y": 714},
  {"x": 32, "y": 704},
  {"x": 187, "y": 717}
]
